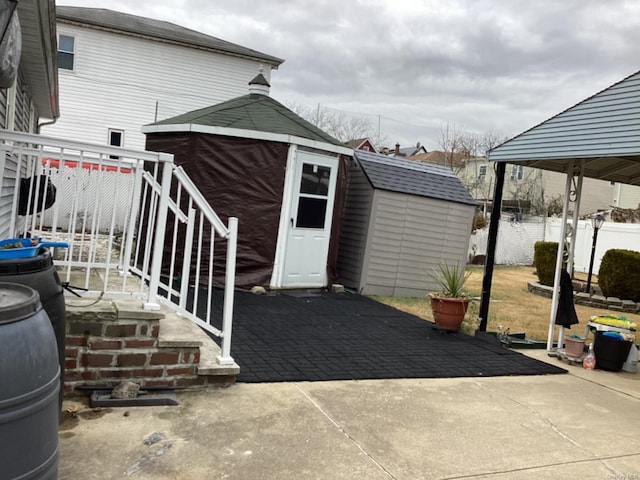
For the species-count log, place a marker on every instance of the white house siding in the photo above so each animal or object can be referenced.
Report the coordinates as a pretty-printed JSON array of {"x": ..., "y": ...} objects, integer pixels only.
[
  {"x": 22, "y": 123},
  {"x": 23, "y": 106},
  {"x": 596, "y": 194},
  {"x": 118, "y": 79},
  {"x": 355, "y": 224},
  {"x": 3, "y": 108},
  {"x": 409, "y": 237},
  {"x": 628, "y": 196}
]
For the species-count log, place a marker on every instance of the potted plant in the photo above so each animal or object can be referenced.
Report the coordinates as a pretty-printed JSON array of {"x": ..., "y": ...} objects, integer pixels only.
[{"x": 449, "y": 304}]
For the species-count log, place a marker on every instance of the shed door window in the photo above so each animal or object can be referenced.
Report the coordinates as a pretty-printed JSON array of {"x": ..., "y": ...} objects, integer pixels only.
[
  {"x": 312, "y": 202},
  {"x": 66, "y": 52}
]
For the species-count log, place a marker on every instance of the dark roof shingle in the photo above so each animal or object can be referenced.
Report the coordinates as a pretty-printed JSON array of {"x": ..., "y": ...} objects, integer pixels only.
[
  {"x": 159, "y": 29},
  {"x": 414, "y": 178},
  {"x": 253, "y": 112}
]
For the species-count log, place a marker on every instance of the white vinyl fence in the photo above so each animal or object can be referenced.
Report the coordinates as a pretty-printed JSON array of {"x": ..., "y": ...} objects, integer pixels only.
[
  {"x": 516, "y": 241},
  {"x": 611, "y": 235}
]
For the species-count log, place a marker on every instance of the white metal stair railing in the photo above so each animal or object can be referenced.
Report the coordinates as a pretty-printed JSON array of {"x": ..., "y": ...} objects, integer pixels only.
[
  {"x": 113, "y": 207},
  {"x": 178, "y": 275}
]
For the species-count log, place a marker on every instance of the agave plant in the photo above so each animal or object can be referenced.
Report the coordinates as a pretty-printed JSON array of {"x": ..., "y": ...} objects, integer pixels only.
[{"x": 451, "y": 281}]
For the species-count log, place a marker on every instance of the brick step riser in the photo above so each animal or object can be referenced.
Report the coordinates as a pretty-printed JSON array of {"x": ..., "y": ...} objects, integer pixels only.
[{"x": 103, "y": 349}]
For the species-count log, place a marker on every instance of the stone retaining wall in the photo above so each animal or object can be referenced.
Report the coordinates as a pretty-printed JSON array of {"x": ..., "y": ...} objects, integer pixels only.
[{"x": 596, "y": 301}]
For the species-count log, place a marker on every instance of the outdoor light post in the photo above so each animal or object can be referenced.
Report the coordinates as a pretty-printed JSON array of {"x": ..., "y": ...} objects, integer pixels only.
[{"x": 597, "y": 220}]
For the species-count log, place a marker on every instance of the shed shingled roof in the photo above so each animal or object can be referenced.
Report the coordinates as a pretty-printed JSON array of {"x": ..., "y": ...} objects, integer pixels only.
[
  {"x": 254, "y": 112},
  {"x": 158, "y": 29},
  {"x": 414, "y": 178}
]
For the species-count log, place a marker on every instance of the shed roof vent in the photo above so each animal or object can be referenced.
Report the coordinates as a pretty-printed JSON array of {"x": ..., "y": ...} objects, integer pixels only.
[{"x": 259, "y": 85}]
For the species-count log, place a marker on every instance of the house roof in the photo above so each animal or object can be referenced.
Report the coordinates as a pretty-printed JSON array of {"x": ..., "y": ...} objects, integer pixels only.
[
  {"x": 441, "y": 158},
  {"x": 602, "y": 132},
  {"x": 255, "y": 112},
  {"x": 408, "y": 151},
  {"x": 157, "y": 30},
  {"x": 414, "y": 178},
  {"x": 357, "y": 143},
  {"x": 39, "y": 59}
]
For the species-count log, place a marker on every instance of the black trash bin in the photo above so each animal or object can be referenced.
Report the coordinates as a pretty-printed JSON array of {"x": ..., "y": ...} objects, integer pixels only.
[
  {"x": 610, "y": 352},
  {"x": 29, "y": 411},
  {"x": 39, "y": 273}
]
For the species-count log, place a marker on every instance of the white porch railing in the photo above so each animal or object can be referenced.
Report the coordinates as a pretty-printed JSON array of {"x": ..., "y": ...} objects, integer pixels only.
[{"x": 135, "y": 223}]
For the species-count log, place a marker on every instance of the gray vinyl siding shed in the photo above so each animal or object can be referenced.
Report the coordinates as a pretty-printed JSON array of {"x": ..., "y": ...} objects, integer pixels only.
[{"x": 402, "y": 219}]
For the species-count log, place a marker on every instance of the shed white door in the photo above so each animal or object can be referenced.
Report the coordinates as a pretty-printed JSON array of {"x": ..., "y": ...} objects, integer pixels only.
[{"x": 309, "y": 226}]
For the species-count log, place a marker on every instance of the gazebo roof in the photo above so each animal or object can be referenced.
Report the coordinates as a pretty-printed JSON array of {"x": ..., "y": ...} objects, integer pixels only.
[
  {"x": 253, "y": 112},
  {"x": 603, "y": 131}
]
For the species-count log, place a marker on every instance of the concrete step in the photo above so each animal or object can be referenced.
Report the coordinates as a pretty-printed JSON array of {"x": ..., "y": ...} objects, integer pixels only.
[{"x": 177, "y": 331}]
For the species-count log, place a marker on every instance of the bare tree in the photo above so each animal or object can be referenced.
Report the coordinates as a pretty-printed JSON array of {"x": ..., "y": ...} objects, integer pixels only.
[
  {"x": 339, "y": 125},
  {"x": 465, "y": 153}
]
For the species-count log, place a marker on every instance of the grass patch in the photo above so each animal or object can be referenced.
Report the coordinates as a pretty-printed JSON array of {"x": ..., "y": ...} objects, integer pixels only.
[{"x": 512, "y": 306}]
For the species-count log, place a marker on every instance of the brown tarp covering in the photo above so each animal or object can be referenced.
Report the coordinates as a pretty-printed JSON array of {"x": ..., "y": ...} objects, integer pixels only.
[
  {"x": 342, "y": 184},
  {"x": 243, "y": 178}
]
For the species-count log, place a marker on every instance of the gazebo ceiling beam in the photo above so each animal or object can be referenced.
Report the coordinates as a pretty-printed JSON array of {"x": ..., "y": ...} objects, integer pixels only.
[{"x": 613, "y": 168}]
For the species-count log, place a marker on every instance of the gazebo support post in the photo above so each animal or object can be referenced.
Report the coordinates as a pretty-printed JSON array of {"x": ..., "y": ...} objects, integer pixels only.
[
  {"x": 572, "y": 242},
  {"x": 483, "y": 314},
  {"x": 559, "y": 257}
]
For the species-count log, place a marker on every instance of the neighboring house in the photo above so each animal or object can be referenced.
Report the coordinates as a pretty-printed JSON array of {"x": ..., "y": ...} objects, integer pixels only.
[
  {"x": 282, "y": 177},
  {"x": 454, "y": 161},
  {"x": 364, "y": 144},
  {"x": 402, "y": 219},
  {"x": 405, "y": 151},
  {"x": 32, "y": 98},
  {"x": 118, "y": 72},
  {"x": 528, "y": 190}
]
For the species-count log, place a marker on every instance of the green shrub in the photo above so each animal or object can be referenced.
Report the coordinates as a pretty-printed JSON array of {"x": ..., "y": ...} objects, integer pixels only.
[
  {"x": 544, "y": 259},
  {"x": 619, "y": 274},
  {"x": 479, "y": 222}
]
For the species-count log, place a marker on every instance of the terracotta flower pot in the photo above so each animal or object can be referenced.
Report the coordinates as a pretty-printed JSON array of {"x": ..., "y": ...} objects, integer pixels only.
[{"x": 449, "y": 313}]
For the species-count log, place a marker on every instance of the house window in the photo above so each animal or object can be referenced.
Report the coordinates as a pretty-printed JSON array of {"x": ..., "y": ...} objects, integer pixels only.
[
  {"x": 482, "y": 172},
  {"x": 116, "y": 139},
  {"x": 66, "y": 52},
  {"x": 517, "y": 172}
]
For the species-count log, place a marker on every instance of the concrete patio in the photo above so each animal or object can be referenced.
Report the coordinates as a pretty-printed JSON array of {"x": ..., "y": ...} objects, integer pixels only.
[{"x": 582, "y": 425}]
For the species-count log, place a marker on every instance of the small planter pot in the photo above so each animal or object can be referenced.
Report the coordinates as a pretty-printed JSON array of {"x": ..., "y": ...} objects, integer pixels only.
[{"x": 448, "y": 313}]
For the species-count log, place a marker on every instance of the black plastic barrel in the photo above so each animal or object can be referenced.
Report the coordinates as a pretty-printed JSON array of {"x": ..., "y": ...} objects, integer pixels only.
[
  {"x": 29, "y": 386},
  {"x": 40, "y": 274},
  {"x": 610, "y": 352}
]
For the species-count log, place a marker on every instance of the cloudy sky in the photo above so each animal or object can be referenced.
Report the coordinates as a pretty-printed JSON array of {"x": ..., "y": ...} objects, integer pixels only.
[{"x": 415, "y": 66}]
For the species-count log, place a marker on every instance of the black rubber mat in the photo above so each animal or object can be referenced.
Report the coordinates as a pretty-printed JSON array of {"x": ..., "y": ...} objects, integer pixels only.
[{"x": 282, "y": 338}]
